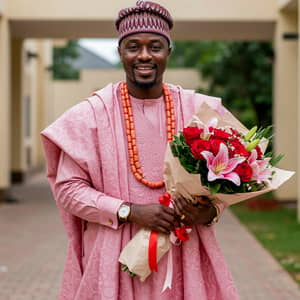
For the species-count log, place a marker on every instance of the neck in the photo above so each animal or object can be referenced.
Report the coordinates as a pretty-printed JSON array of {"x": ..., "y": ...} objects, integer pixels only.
[{"x": 145, "y": 93}]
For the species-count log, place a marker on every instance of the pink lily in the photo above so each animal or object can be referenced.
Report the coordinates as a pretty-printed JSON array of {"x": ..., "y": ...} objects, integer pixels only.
[
  {"x": 221, "y": 166},
  {"x": 260, "y": 171}
]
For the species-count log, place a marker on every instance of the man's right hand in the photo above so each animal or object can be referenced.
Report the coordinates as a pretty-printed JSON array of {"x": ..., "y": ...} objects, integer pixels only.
[{"x": 154, "y": 216}]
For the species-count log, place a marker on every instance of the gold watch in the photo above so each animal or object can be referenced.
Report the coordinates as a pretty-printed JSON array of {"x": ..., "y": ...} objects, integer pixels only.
[{"x": 124, "y": 212}]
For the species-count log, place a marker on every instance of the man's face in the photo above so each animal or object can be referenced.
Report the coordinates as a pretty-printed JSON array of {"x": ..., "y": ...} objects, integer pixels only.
[{"x": 144, "y": 57}]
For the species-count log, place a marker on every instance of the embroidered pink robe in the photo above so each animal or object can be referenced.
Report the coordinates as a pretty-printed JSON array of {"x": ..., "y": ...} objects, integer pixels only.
[{"x": 89, "y": 173}]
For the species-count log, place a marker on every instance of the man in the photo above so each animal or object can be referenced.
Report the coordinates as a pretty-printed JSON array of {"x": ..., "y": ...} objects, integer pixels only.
[{"x": 105, "y": 166}]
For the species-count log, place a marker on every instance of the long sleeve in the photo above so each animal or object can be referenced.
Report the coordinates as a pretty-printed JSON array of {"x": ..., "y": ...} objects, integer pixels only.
[{"x": 76, "y": 195}]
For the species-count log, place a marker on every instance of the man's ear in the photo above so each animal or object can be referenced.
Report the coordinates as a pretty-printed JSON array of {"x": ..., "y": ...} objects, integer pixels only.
[{"x": 169, "y": 51}]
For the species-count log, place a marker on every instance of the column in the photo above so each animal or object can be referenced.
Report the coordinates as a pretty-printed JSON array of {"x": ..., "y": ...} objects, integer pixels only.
[
  {"x": 4, "y": 106},
  {"x": 17, "y": 122},
  {"x": 285, "y": 100}
]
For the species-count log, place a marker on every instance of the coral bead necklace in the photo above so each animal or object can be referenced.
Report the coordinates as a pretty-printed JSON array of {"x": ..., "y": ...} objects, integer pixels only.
[{"x": 131, "y": 136}]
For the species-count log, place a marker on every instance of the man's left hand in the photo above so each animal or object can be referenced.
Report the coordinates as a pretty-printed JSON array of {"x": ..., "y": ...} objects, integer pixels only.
[{"x": 189, "y": 214}]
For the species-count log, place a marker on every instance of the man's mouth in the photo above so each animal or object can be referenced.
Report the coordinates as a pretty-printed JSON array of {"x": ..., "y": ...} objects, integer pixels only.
[
  {"x": 144, "y": 67},
  {"x": 144, "y": 70}
]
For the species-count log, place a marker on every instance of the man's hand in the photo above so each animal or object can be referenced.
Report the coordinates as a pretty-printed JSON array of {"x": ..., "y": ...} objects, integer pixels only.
[
  {"x": 154, "y": 216},
  {"x": 190, "y": 214}
]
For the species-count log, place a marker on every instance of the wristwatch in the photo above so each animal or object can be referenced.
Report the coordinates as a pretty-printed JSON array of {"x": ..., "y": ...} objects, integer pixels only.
[
  {"x": 217, "y": 216},
  {"x": 124, "y": 212}
]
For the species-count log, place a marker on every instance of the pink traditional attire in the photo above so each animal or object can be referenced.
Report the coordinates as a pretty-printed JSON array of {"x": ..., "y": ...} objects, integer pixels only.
[{"x": 90, "y": 176}]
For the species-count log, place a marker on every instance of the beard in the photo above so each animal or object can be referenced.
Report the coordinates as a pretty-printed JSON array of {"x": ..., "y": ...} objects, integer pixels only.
[{"x": 144, "y": 85}]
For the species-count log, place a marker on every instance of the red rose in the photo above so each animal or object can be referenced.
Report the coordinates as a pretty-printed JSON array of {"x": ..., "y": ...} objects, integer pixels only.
[
  {"x": 198, "y": 146},
  {"x": 235, "y": 132},
  {"x": 220, "y": 134},
  {"x": 244, "y": 171},
  {"x": 191, "y": 134},
  {"x": 236, "y": 147},
  {"x": 259, "y": 152},
  {"x": 215, "y": 145}
]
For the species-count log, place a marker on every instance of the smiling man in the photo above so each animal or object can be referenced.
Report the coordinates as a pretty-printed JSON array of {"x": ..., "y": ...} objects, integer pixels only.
[
  {"x": 105, "y": 166},
  {"x": 144, "y": 57}
]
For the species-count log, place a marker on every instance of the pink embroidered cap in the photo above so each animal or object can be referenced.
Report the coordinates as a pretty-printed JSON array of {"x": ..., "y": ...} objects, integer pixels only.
[{"x": 146, "y": 16}]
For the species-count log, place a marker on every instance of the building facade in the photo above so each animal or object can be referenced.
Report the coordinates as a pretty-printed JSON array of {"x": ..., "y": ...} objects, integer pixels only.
[{"x": 27, "y": 30}]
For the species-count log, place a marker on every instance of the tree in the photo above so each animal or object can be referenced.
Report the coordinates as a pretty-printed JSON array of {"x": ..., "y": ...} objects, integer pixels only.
[
  {"x": 62, "y": 62},
  {"x": 239, "y": 72}
]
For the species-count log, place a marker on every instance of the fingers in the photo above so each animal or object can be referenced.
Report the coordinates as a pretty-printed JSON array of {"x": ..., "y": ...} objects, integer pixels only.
[
  {"x": 183, "y": 206},
  {"x": 155, "y": 217},
  {"x": 165, "y": 226},
  {"x": 167, "y": 210},
  {"x": 164, "y": 220},
  {"x": 183, "y": 214},
  {"x": 187, "y": 212},
  {"x": 203, "y": 200}
]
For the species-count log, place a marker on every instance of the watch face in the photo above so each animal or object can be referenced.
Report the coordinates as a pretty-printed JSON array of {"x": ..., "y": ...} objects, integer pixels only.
[{"x": 124, "y": 211}]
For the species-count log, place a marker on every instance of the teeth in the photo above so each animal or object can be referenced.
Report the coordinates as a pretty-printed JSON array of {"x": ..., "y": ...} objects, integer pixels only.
[{"x": 144, "y": 68}]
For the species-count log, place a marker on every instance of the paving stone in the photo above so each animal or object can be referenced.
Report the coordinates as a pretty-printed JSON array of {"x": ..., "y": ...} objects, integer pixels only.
[{"x": 33, "y": 246}]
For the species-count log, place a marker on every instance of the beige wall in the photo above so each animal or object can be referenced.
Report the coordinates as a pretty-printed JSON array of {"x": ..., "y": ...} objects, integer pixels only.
[
  {"x": 36, "y": 86},
  {"x": 30, "y": 94},
  {"x": 68, "y": 93},
  {"x": 285, "y": 104},
  {"x": 4, "y": 103},
  {"x": 212, "y": 19},
  {"x": 209, "y": 19},
  {"x": 3, "y": 5},
  {"x": 107, "y": 10},
  {"x": 44, "y": 93},
  {"x": 288, "y": 4},
  {"x": 29, "y": 91},
  {"x": 17, "y": 148}
]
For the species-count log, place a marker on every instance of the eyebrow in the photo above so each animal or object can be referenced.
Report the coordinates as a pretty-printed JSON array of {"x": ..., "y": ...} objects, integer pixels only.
[{"x": 137, "y": 40}]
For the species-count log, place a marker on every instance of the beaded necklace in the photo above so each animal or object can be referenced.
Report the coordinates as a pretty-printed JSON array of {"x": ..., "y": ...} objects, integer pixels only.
[{"x": 131, "y": 136}]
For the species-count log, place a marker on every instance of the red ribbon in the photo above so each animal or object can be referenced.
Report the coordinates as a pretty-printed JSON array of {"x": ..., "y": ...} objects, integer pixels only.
[
  {"x": 152, "y": 251},
  {"x": 180, "y": 232},
  {"x": 165, "y": 199}
]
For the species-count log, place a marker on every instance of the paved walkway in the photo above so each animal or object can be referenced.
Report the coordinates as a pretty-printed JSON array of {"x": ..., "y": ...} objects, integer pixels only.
[{"x": 33, "y": 246}]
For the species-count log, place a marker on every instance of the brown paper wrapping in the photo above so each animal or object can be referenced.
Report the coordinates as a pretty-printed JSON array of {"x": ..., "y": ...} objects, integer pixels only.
[{"x": 135, "y": 253}]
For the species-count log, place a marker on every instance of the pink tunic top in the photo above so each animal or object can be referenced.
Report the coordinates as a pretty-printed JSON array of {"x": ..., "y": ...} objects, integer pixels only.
[{"x": 200, "y": 271}]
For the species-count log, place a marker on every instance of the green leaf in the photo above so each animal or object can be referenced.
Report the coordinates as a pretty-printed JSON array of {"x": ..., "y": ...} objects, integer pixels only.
[
  {"x": 251, "y": 133},
  {"x": 269, "y": 154},
  {"x": 176, "y": 140},
  {"x": 174, "y": 149},
  {"x": 131, "y": 274},
  {"x": 265, "y": 133},
  {"x": 124, "y": 268},
  {"x": 214, "y": 187},
  {"x": 274, "y": 161}
]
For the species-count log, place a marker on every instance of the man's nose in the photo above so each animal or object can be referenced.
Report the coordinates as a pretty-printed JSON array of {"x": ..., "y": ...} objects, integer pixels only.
[{"x": 144, "y": 54}]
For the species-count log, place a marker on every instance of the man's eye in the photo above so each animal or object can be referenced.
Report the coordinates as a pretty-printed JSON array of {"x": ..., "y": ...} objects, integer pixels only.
[
  {"x": 155, "y": 48},
  {"x": 132, "y": 47}
]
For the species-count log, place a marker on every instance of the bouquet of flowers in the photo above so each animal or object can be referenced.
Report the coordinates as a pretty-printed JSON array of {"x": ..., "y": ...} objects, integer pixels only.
[
  {"x": 215, "y": 156},
  {"x": 227, "y": 161}
]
